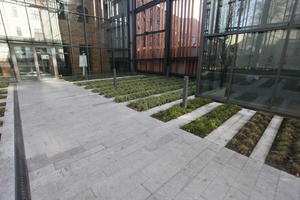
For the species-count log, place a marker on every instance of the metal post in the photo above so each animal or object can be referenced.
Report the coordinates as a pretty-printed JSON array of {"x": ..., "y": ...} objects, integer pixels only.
[
  {"x": 133, "y": 35},
  {"x": 283, "y": 53},
  {"x": 234, "y": 63},
  {"x": 185, "y": 91},
  {"x": 168, "y": 36},
  {"x": 36, "y": 63},
  {"x": 115, "y": 77},
  {"x": 201, "y": 49}
]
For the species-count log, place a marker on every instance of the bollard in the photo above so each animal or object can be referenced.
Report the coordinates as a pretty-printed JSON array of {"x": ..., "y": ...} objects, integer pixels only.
[
  {"x": 185, "y": 91},
  {"x": 115, "y": 78}
]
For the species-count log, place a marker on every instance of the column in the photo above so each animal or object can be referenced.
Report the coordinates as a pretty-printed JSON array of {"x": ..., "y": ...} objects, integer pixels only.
[
  {"x": 36, "y": 63},
  {"x": 54, "y": 61},
  {"x": 14, "y": 61}
]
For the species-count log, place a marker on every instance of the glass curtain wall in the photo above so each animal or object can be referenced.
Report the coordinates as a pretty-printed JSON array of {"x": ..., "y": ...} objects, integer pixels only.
[
  {"x": 167, "y": 36},
  {"x": 252, "y": 53},
  {"x": 118, "y": 34},
  {"x": 72, "y": 27}
]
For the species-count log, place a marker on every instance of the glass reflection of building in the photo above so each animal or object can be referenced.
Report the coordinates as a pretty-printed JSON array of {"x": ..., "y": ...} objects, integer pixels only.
[
  {"x": 50, "y": 33},
  {"x": 252, "y": 53}
]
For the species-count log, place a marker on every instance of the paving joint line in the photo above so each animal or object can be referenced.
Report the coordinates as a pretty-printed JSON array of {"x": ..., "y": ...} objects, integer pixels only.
[{"x": 22, "y": 184}]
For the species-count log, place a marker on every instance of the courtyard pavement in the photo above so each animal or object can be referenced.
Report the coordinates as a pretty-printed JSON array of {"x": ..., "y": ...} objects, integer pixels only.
[{"x": 82, "y": 146}]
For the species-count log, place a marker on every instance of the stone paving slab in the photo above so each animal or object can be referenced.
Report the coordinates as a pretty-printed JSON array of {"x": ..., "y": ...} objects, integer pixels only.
[
  {"x": 103, "y": 79},
  {"x": 262, "y": 148},
  {"x": 224, "y": 133},
  {"x": 165, "y": 106},
  {"x": 189, "y": 117},
  {"x": 80, "y": 145}
]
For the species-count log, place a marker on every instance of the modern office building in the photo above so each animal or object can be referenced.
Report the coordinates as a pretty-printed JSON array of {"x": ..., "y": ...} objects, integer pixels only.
[
  {"x": 249, "y": 55},
  {"x": 46, "y": 37}
]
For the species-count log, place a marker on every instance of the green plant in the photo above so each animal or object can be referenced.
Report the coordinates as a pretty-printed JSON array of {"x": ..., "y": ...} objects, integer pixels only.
[
  {"x": 250, "y": 133},
  {"x": 207, "y": 123},
  {"x": 3, "y": 91},
  {"x": 2, "y": 111},
  {"x": 146, "y": 93},
  {"x": 98, "y": 76},
  {"x": 151, "y": 102},
  {"x": 285, "y": 151},
  {"x": 177, "y": 111},
  {"x": 4, "y": 84},
  {"x": 3, "y": 96}
]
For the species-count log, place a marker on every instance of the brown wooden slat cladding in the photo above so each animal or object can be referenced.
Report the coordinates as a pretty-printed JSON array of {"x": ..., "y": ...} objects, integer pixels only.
[{"x": 184, "y": 41}]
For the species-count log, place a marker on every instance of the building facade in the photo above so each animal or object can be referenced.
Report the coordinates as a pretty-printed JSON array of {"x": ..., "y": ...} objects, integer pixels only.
[
  {"x": 37, "y": 36},
  {"x": 251, "y": 54}
]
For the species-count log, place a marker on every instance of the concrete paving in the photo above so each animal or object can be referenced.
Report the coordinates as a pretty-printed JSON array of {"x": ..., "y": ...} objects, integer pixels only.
[
  {"x": 189, "y": 117},
  {"x": 262, "y": 148},
  {"x": 80, "y": 145},
  {"x": 224, "y": 133}
]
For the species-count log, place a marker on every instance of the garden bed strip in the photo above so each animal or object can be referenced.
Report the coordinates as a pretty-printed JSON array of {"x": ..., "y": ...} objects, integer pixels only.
[
  {"x": 189, "y": 117},
  {"x": 155, "y": 95},
  {"x": 103, "y": 79},
  {"x": 165, "y": 106},
  {"x": 263, "y": 146},
  {"x": 224, "y": 133}
]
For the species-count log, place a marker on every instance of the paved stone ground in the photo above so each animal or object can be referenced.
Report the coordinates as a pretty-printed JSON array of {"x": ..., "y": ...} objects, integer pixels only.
[{"x": 81, "y": 146}]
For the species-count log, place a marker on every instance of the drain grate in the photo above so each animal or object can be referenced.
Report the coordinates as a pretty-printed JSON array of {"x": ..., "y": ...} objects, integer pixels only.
[{"x": 22, "y": 185}]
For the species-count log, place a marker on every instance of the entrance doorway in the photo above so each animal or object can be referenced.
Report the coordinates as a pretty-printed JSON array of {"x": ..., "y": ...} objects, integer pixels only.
[{"x": 34, "y": 62}]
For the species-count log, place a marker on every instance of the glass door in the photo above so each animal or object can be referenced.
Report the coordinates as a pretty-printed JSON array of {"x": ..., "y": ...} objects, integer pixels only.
[
  {"x": 44, "y": 60},
  {"x": 25, "y": 61}
]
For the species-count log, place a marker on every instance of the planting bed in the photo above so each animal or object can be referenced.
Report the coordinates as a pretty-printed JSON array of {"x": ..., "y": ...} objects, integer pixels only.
[
  {"x": 285, "y": 151},
  {"x": 98, "y": 76},
  {"x": 212, "y": 120},
  {"x": 177, "y": 111},
  {"x": 133, "y": 88},
  {"x": 151, "y": 102},
  {"x": 3, "y": 93},
  {"x": 248, "y": 136}
]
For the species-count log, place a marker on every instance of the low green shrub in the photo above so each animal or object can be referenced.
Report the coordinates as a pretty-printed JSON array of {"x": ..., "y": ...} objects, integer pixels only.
[
  {"x": 4, "y": 84},
  {"x": 151, "y": 102},
  {"x": 98, "y": 76},
  {"x": 3, "y": 104},
  {"x": 2, "y": 96},
  {"x": 177, "y": 111},
  {"x": 3, "y": 91},
  {"x": 207, "y": 123},
  {"x": 285, "y": 151},
  {"x": 2, "y": 111},
  {"x": 146, "y": 93},
  {"x": 248, "y": 136}
]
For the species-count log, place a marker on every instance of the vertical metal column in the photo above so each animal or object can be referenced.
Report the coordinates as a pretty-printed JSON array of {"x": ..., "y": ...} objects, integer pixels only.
[
  {"x": 168, "y": 36},
  {"x": 201, "y": 49},
  {"x": 229, "y": 86},
  {"x": 36, "y": 63},
  {"x": 283, "y": 54},
  {"x": 129, "y": 34},
  {"x": 54, "y": 61},
  {"x": 133, "y": 32},
  {"x": 14, "y": 61}
]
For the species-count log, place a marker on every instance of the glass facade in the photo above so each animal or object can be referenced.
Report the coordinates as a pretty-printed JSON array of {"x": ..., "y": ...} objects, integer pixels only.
[
  {"x": 71, "y": 27},
  {"x": 252, "y": 53}
]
